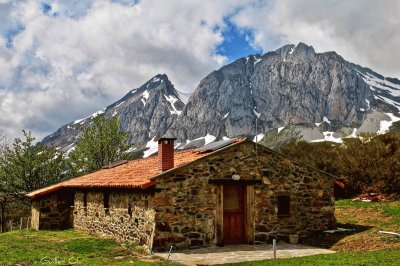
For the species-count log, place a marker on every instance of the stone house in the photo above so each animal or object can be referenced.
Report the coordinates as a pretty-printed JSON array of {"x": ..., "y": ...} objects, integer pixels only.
[{"x": 226, "y": 192}]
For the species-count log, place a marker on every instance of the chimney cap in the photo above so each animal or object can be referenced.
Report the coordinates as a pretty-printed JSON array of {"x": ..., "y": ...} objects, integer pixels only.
[{"x": 163, "y": 138}]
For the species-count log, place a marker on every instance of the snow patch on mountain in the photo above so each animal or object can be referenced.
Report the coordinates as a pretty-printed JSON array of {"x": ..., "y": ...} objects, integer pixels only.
[
  {"x": 257, "y": 60},
  {"x": 353, "y": 134},
  {"x": 383, "y": 89},
  {"x": 393, "y": 89},
  {"x": 81, "y": 121},
  {"x": 172, "y": 99},
  {"x": 98, "y": 113},
  {"x": 207, "y": 139},
  {"x": 119, "y": 104},
  {"x": 325, "y": 119},
  {"x": 328, "y": 136},
  {"x": 154, "y": 80},
  {"x": 292, "y": 49},
  {"x": 368, "y": 103},
  {"x": 256, "y": 113},
  {"x": 131, "y": 149},
  {"x": 258, "y": 138},
  {"x": 152, "y": 146},
  {"x": 145, "y": 97},
  {"x": 385, "y": 124},
  {"x": 78, "y": 121}
]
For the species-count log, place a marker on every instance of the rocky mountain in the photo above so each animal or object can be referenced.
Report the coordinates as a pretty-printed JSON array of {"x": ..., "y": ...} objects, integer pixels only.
[
  {"x": 145, "y": 112},
  {"x": 290, "y": 93},
  {"x": 320, "y": 96}
]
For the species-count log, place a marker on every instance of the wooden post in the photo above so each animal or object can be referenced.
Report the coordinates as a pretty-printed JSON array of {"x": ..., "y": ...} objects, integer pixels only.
[
  {"x": 11, "y": 227},
  {"x": 152, "y": 236},
  {"x": 250, "y": 214},
  {"x": 220, "y": 215},
  {"x": 27, "y": 222},
  {"x": 20, "y": 224}
]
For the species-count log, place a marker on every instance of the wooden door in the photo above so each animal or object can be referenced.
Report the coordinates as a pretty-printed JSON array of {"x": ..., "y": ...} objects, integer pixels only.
[{"x": 234, "y": 214}]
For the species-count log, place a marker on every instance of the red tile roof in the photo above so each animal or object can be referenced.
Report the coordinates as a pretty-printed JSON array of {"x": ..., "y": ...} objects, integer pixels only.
[
  {"x": 132, "y": 174},
  {"x": 128, "y": 174}
]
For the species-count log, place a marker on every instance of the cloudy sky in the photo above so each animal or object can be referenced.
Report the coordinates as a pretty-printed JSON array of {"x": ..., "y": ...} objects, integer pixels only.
[{"x": 61, "y": 60}]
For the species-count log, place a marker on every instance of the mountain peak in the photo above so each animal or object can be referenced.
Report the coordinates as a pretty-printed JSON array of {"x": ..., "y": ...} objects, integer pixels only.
[
  {"x": 156, "y": 80},
  {"x": 300, "y": 51},
  {"x": 145, "y": 112}
]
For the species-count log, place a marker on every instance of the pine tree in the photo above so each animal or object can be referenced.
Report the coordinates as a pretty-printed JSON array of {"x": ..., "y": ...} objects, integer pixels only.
[{"x": 101, "y": 144}]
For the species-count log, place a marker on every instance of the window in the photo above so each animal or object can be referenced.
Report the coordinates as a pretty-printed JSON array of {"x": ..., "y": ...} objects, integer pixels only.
[
  {"x": 106, "y": 203},
  {"x": 283, "y": 205},
  {"x": 266, "y": 172},
  {"x": 130, "y": 210}
]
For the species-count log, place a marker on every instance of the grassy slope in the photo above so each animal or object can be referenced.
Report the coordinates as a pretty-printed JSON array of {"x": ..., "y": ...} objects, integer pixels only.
[
  {"x": 29, "y": 247},
  {"x": 362, "y": 247}
]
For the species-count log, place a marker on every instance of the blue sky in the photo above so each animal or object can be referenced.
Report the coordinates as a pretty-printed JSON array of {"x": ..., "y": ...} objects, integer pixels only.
[
  {"x": 237, "y": 42},
  {"x": 61, "y": 60}
]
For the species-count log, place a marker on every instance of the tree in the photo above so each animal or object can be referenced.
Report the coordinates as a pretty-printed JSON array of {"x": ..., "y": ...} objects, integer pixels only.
[
  {"x": 25, "y": 167},
  {"x": 369, "y": 163},
  {"x": 101, "y": 144}
]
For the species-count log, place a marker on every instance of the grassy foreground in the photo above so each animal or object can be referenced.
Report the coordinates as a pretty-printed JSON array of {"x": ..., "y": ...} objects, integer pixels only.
[
  {"x": 361, "y": 247},
  {"x": 29, "y": 247}
]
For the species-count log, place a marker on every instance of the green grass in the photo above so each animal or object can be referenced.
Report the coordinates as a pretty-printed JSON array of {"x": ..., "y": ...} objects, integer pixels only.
[
  {"x": 29, "y": 247},
  {"x": 373, "y": 258},
  {"x": 390, "y": 208},
  {"x": 389, "y": 256}
]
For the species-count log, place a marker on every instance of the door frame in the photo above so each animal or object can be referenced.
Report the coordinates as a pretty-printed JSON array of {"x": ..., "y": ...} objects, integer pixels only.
[{"x": 248, "y": 213}]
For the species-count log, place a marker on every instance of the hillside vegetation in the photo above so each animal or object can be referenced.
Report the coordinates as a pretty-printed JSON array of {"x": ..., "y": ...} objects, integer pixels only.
[{"x": 370, "y": 163}]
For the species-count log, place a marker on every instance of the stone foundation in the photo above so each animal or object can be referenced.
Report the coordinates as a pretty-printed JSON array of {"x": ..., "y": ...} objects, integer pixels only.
[{"x": 126, "y": 219}]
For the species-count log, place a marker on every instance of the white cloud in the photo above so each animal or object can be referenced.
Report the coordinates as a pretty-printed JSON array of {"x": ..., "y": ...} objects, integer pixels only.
[
  {"x": 74, "y": 60},
  {"x": 83, "y": 55}
]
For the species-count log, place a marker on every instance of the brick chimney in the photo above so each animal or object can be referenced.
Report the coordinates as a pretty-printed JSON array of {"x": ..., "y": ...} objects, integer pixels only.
[{"x": 165, "y": 154}]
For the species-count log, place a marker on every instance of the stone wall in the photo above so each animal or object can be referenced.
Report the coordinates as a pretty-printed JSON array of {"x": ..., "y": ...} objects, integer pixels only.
[
  {"x": 186, "y": 200},
  {"x": 127, "y": 218},
  {"x": 53, "y": 211},
  {"x": 185, "y": 209},
  {"x": 311, "y": 198}
]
